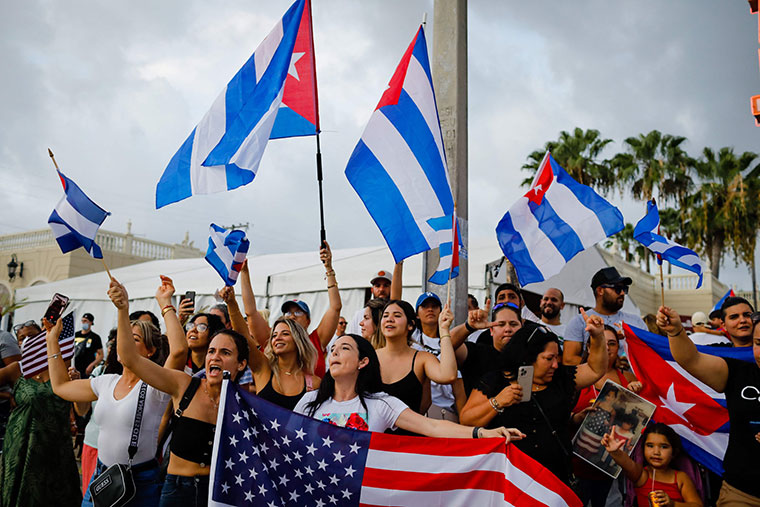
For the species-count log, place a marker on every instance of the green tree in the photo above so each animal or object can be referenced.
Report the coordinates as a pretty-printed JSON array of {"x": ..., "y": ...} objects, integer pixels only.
[{"x": 579, "y": 153}]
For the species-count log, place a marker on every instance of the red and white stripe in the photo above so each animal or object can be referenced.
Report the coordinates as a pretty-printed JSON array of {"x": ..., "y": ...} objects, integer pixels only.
[
  {"x": 34, "y": 358},
  {"x": 407, "y": 471}
]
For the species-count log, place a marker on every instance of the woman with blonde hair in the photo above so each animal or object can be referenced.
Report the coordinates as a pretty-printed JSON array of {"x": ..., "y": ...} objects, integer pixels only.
[{"x": 285, "y": 370}]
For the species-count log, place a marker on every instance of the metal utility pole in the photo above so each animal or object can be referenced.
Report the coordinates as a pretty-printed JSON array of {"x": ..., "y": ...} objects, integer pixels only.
[{"x": 450, "y": 80}]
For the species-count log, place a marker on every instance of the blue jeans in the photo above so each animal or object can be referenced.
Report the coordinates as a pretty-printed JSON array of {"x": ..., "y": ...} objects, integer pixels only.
[
  {"x": 181, "y": 491},
  {"x": 147, "y": 485}
]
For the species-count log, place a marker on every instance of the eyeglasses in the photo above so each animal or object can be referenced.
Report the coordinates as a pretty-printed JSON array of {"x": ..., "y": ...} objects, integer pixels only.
[
  {"x": 18, "y": 327},
  {"x": 200, "y": 327},
  {"x": 294, "y": 314},
  {"x": 344, "y": 323},
  {"x": 616, "y": 288}
]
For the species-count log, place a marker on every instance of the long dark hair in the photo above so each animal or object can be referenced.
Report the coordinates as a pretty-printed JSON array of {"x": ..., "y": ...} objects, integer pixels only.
[
  {"x": 368, "y": 381},
  {"x": 669, "y": 433},
  {"x": 411, "y": 316}
]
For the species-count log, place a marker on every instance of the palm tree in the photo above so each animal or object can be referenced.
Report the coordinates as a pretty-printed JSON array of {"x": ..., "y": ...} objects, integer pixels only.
[
  {"x": 655, "y": 162},
  {"x": 723, "y": 212},
  {"x": 579, "y": 154}
]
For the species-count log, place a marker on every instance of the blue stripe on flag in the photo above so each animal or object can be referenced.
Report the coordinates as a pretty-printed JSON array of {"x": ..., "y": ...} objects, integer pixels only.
[
  {"x": 240, "y": 86},
  {"x": 83, "y": 204},
  {"x": 291, "y": 124},
  {"x": 237, "y": 177},
  {"x": 513, "y": 246},
  {"x": 557, "y": 230},
  {"x": 445, "y": 249},
  {"x": 406, "y": 117},
  {"x": 441, "y": 223},
  {"x": 175, "y": 184},
  {"x": 264, "y": 93},
  {"x": 696, "y": 452},
  {"x": 420, "y": 53},
  {"x": 384, "y": 203},
  {"x": 442, "y": 276},
  {"x": 608, "y": 215}
]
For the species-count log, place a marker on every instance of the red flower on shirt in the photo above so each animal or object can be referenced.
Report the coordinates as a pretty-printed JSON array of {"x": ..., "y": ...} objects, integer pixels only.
[{"x": 356, "y": 422}]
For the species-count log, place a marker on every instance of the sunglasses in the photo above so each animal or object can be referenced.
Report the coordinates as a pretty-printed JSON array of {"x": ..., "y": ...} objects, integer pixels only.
[
  {"x": 617, "y": 288},
  {"x": 18, "y": 327},
  {"x": 344, "y": 323},
  {"x": 294, "y": 314},
  {"x": 200, "y": 327}
]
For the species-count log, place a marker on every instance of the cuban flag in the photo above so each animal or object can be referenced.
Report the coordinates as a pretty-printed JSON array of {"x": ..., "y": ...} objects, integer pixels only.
[
  {"x": 555, "y": 220},
  {"x": 75, "y": 220},
  {"x": 694, "y": 410},
  {"x": 226, "y": 252},
  {"x": 398, "y": 168},
  {"x": 647, "y": 231},
  {"x": 448, "y": 260},
  {"x": 267, "y": 455},
  {"x": 224, "y": 150},
  {"x": 729, "y": 294}
]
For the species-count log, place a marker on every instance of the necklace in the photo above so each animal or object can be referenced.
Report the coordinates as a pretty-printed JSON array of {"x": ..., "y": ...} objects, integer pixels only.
[
  {"x": 538, "y": 387},
  {"x": 215, "y": 402}
]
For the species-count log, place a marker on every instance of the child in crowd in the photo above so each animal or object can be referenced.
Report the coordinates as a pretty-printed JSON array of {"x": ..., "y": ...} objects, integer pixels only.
[{"x": 667, "y": 485}]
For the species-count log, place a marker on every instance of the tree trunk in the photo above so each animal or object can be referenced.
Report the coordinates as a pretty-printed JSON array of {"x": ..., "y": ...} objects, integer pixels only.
[
  {"x": 754, "y": 283},
  {"x": 716, "y": 253}
]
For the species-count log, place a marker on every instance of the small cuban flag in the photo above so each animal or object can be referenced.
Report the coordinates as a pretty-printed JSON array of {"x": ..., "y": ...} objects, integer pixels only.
[
  {"x": 448, "y": 264},
  {"x": 226, "y": 252},
  {"x": 647, "y": 233}
]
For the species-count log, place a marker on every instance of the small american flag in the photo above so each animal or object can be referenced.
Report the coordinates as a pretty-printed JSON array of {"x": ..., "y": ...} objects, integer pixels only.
[
  {"x": 34, "y": 350},
  {"x": 267, "y": 455}
]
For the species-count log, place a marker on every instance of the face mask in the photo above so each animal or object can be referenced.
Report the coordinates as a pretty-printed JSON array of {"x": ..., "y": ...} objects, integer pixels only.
[{"x": 85, "y": 326}]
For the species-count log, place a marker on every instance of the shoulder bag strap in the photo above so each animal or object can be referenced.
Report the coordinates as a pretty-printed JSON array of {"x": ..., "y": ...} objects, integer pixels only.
[
  {"x": 138, "y": 421},
  {"x": 554, "y": 432},
  {"x": 188, "y": 396}
]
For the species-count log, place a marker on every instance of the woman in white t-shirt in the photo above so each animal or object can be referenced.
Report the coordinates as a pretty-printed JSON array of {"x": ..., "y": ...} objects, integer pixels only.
[
  {"x": 117, "y": 397},
  {"x": 351, "y": 396}
]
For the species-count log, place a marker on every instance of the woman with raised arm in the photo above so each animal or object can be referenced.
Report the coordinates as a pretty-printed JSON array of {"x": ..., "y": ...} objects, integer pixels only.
[
  {"x": 351, "y": 395},
  {"x": 497, "y": 400},
  {"x": 118, "y": 396},
  {"x": 186, "y": 482},
  {"x": 740, "y": 381},
  {"x": 405, "y": 370},
  {"x": 285, "y": 370},
  {"x": 38, "y": 465}
]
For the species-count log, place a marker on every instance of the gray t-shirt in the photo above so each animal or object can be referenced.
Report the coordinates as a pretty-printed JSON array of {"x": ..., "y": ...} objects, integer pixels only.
[
  {"x": 8, "y": 347},
  {"x": 575, "y": 331}
]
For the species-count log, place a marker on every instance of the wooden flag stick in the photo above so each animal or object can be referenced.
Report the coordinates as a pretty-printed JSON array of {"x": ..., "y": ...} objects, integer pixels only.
[
  {"x": 50, "y": 152},
  {"x": 106, "y": 266}
]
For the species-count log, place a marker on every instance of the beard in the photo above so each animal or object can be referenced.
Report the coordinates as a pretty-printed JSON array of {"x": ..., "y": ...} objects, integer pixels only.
[
  {"x": 549, "y": 312},
  {"x": 611, "y": 304}
]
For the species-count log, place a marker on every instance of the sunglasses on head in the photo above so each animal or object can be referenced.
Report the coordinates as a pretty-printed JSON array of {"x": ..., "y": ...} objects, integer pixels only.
[
  {"x": 18, "y": 327},
  {"x": 616, "y": 288}
]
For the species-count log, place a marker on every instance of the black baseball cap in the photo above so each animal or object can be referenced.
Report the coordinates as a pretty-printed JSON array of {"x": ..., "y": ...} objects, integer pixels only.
[
  {"x": 609, "y": 276},
  {"x": 89, "y": 317}
]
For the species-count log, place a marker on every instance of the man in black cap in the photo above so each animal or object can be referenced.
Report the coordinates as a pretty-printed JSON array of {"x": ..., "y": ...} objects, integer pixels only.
[
  {"x": 609, "y": 292},
  {"x": 88, "y": 348}
]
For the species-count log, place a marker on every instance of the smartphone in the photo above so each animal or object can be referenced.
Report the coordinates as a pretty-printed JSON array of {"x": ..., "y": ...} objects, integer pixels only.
[
  {"x": 525, "y": 379},
  {"x": 188, "y": 295},
  {"x": 56, "y": 307}
]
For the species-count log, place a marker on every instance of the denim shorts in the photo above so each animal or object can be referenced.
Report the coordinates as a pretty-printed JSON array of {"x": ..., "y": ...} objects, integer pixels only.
[
  {"x": 147, "y": 485},
  {"x": 181, "y": 491}
]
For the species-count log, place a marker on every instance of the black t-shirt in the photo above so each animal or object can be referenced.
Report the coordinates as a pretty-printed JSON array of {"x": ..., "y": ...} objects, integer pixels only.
[
  {"x": 481, "y": 358},
  {"x": 86, "y": 347},
  {"x": 741, "y": 464},
  {"x": 540, "y": 442}
]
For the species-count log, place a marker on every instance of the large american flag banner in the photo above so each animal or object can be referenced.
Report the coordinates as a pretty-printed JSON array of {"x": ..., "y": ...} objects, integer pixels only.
[
  {"x": 267, "y": 455},
  {"x": 34, "y": 350}
]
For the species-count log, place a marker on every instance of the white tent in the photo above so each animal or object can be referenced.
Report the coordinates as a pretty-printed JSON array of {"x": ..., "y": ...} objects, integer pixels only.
[{"x": 277, "y": 277}]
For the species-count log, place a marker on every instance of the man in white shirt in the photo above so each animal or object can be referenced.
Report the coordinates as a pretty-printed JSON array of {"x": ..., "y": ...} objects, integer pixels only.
[
  {"x": 552, "y": 303},
  {"x": 381, "y": 288}
]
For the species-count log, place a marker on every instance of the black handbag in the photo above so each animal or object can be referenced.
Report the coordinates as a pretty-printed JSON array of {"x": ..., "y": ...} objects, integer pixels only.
[{"x": 116, "y": 486}]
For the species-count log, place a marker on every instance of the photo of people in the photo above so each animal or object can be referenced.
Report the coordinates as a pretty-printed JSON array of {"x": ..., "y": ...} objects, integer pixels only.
[{"x": 615, "y": 407}]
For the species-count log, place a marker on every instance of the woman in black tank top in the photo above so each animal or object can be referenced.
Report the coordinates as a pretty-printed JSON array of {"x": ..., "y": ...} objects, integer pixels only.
[{"x": 405, "y": 371}]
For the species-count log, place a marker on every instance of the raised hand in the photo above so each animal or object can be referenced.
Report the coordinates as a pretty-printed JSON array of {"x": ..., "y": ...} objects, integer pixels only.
[
  {"x": 610, "y": 443},
  {"x": 325, "y": 255},
  {"x": 445, "y": 318},
  {"x": 118, "y": 294},
  {"x": 165, "y": 291},
  {"x": 227, "y": 294},
  {"x": 594, "y": 324},
  {"x": 480, "y": 318},
  {"x": 669, "y": 321}
]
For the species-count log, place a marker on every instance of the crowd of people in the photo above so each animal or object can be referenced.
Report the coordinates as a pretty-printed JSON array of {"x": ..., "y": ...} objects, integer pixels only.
[{"x": 505, "y": 372}]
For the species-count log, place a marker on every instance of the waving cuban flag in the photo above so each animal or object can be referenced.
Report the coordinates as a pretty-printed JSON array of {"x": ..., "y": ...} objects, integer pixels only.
[
  {"x": 694, "y": 410},
  {"x": 224, "y": 150},
  {"x": 647, "y": 233},
  {"x": 226, "y": 252},
  {"x": 76, "y": 219},
  {"x": 555, "y": 220},
  {"x": 398, "y": 168}
]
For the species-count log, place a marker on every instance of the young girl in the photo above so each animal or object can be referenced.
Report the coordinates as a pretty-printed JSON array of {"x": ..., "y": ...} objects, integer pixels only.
[{"x": 661, "y": 445}]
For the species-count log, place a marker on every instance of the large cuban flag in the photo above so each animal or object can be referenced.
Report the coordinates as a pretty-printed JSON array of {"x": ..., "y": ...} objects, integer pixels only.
[
  {"x": 647, "y": 232},
  {"x": 694, "y": 410},
  {"x": 555, "y": 220},
  {"x": 398, "y": 168},
  {"x": 224, "y": 150}
]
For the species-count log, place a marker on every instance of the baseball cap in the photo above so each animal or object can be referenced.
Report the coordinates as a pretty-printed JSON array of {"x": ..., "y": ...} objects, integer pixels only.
[
  {"x": 424, "y": 297},
  {"x": 609, "y": 276},
  {"x": 89, "y": 317},
  {"x": 384, "y": 275},
  {"x": 715, "y": 314},
  {"x": 302, "y": 305},
  {"x": 698, "y": 319}
]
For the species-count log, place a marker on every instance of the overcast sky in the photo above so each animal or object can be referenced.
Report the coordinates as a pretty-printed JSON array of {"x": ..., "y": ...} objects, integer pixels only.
[{"x": 114, "y": 88}]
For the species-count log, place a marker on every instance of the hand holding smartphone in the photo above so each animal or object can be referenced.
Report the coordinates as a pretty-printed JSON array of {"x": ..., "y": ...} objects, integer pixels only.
[
  {"x": 55, "y": 309},
  {"x": 525, "y": 380}
]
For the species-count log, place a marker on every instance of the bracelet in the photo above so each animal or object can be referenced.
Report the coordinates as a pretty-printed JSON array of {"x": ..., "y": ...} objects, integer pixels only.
[
  {"x": 331, "y": 286},
  {"x": 475, "y": 431},
  {"x": 53, "y": 356},
  {"x": 445, "y": 336},
  {"x": 166, "y": 309},
  {"x": 495, "y": 405},
  {"x": 469, "y": 327},
  {"x": 330, "y": 273},
  {"x": 674, "y": 335}
]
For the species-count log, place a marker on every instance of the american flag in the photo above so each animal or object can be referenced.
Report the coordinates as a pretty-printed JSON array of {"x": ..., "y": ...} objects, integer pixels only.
[
  {"x": 267, "y": 455},
  {"x": 34, "y": 350}
]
